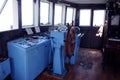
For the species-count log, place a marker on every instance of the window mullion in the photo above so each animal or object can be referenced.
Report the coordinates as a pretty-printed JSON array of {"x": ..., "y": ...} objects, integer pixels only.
[
  {"x": 91, "y": 19},
  {"x": 36, "y": 13}
]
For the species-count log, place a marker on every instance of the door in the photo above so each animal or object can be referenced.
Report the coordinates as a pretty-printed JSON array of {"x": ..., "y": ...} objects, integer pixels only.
[{"x": 91, "y": 23}]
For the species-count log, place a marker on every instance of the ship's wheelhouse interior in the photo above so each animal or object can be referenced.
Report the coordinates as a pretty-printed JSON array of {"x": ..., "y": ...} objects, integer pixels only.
[{"x": 59, "y": 39}]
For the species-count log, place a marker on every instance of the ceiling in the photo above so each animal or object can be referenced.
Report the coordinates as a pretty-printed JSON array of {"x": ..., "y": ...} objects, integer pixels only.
[{"x": 87, "y": 1}]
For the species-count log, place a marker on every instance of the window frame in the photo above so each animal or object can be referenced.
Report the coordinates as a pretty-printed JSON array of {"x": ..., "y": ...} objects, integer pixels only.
[
  {"x": 33, "y": 24},
  {"x": 62, "y": 14},
  {"x": 89, "y": 18},
  {"x": 50, "y": 12},
  {"x": 15, "y": 23},
  {"x": 93, "y": 17},
  {"x": 73, "y": 15}
]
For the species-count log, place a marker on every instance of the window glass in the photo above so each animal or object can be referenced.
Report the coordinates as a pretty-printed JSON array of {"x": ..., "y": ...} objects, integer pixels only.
[
  {"x": 6, "y": 16},
  {"x": 98, "y": 17},
  {"x": 27, "y": 12},
  {"x": 69, "y": 16},
  {"x": 58, "y": 14},
  {"x": 85, "y": 16},
  {"x": 44, "y": 13}
]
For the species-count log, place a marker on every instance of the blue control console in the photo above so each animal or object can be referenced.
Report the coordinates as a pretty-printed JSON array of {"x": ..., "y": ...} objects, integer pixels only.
[
  {"x": 28, "y": 57},
  {"x": 29, "y": 41},
  {"x": 58, "y": 38},
  {"x": 4, "y": 69}
]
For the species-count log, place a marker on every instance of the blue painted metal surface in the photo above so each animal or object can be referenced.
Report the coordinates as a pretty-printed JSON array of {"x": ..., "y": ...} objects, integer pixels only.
[
  {"x": 59, "y": 50},
  {"x": 28, "y": 57},
  {"x": 77, "y": 44},
  {"x": 4, "y": 69}
]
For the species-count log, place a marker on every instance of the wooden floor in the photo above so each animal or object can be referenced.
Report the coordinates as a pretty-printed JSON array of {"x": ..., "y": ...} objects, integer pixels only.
[{"x": 83, "y": 71}]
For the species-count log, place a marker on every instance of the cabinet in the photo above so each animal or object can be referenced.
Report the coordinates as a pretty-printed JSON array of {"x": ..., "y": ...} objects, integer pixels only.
[
  {"x": 113, "y": 17},
  {"x": 112, "y": 43},
  {"x": 28, "y": 57},
  {"x": 112, "y": 53}
]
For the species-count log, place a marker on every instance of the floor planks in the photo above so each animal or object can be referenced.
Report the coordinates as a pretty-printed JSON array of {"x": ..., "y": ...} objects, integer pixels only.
[{"x": 80, "y": 72}]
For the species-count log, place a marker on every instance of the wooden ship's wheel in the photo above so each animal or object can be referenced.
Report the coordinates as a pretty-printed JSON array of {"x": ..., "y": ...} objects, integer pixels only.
[{"x": 70, "y": 42}]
